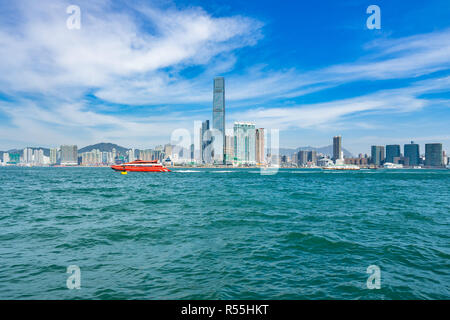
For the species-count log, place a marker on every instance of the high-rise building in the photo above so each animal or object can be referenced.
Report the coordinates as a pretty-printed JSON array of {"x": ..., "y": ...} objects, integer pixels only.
[
  {"x": 260, "y": 159},
  {"x": 205, "y": 141},
  {"x": 433, "y": 155},
  {"x": 411, "y": 151},
  {"x": 28, "y": 155},
  {"x": 5, "y": 157},
  {"x": 312, "y": 157},
  {"x": 229, "y": 149},
  {"x": 377, "y": 155},
  {"x": 392, "y": 151},
  {"x": 218, "y": 121},
  {"x": 302, "y": 158},
  {"x": 244, "y": 143},
  {"x": 53, "y": 156},
  {"x": 337, "y": 147},
  {"x": 69, "y": 155}
]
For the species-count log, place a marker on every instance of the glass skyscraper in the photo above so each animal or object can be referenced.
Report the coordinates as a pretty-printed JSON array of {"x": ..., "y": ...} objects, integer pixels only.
[
  {"x": 337, "y": 147},
  {"x": 244, "y": 143},
  {"x": 377, "y": 155},
  {"x": 392, "y": 151},
  {"x": 411, "y": 151},
  {"x": 433, "y": 155},
  {"x": 218, "y": 121}
]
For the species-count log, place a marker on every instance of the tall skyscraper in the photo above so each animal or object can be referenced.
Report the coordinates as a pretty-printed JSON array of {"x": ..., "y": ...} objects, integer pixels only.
[
  {"x": 302, "y": 158},
  {"x": 377, "y": 155},
  {"x": 392, "y": 151},
  {"x": 337, "y": 147},
  {"x": 218, "y": 121},
  {"x": 411, "y": 151},
  {"x": 53, "y": 156},
  {"x": 244, "y": 143},
  {"x": 69, "y": 155},
  {"x": 433, "y": 155},
  {"x": 260, "y": 159},
  {"x": 229, "y": 149},
  {"x": 205, "y": 141}
]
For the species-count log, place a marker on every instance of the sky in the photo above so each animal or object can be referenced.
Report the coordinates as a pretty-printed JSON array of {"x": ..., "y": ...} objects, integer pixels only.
[{"x": 136, "y": 71}]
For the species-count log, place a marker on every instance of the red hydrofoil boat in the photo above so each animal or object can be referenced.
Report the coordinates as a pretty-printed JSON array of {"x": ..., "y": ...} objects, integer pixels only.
[{"x": 141, "y": 166}]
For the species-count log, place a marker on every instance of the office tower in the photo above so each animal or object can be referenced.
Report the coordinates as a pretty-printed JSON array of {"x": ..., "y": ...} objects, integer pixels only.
[
  {"x": 312, "y": 157},
  {"x": 377, "y": 155},
  {"x": 244, "y": 143},
  {"x": 392, "y": 151},
  {"x": 337, "y": 147},
  {"x": 131, "y": 155},
  {"x": 69, "y": 155},
  {"x": 433, "y": 155},
  {"x": 205, "y": 141},
  {"x": 218, "y": 121},
  {"x": 411, "y": 151},
  {"x": 53, "y": 156},
  {"x": 260, "y": 146},
  {"x": 192, "y": 152},
  {"x": 229, "y": 149},
  {"x": 302, "y": 158},
  {"x": 28, "y": 155}
]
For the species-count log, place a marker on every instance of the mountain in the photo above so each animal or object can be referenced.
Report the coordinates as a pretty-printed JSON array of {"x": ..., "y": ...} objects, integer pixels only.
[
  {"x": 328, "y": 150},
  {"x": 104, "y": 147}
]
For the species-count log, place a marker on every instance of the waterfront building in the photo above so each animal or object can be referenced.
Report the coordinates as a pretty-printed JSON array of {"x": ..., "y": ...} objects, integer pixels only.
[
  {"x": 27, "y": 155},
  {"x": 131, "y": 155},
  {"x": 433, "y": 155},
  {"x": 229, "y": 149},
  {"x": 5, "y": 157},
  {"x": 205, "y": 141},
  {"x": 218, "y": 121},
  {"x": 53, "y": 156},
  {"x": 69, "y": 155},
  {"x": 244, "y": 143},
  {"x": 392, "y": 151},
  {"x": 14, "y": 158},
  {"x": 360, "y": 161},
  {"x": 411, "y": 151},
  {"x": 337, "y": 148},
  {"x": 377, "y": 155},
  {"x": 260, "y": 159},
  {"x": 312, "y": 157},
  {"x": 302, "y": 158}
]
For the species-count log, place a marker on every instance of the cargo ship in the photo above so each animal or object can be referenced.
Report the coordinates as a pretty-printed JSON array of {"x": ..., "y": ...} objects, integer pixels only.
[{"x": 140, "y": 166}]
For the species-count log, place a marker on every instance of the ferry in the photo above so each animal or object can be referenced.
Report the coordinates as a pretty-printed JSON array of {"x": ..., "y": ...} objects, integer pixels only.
[
  {"x": 140, "y": 166},
  {"x": 342, "y": 167}
]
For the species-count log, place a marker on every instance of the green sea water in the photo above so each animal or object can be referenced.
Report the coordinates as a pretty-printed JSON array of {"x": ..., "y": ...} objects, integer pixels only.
[{"x": 224, "y": 234}]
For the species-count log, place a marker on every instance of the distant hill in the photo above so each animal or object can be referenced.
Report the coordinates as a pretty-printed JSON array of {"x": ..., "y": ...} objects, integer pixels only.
[
  {"x": 328, "y": 150},
  {"x": 104, "y": 147}
]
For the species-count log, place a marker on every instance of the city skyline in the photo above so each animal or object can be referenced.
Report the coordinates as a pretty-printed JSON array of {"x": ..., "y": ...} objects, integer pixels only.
[{"x": 379, "y": 87}]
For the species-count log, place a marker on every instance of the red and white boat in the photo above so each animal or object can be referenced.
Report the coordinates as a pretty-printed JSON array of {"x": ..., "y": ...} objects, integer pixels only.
[{"x": 141, "y": 166}]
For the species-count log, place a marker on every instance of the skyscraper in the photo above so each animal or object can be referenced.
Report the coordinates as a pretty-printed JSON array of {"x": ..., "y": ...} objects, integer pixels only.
[
  {"x": 260, "y": 159},
  {"x": 53, "y": 156},
  {"x": 433, "y": 155},
  {"x": 229, "y": 149},
  {"x": 337, "y": 147},
  {"x": 205, "y": 141},
  {"x": 69, "y": 155},
  {"x": 218, "y": 121},
  {"x": 392, "y": 151},
  {"x": 302, "y": 158},
  {"x": 411, "y": 151},
  {"x": 244, "y": 143},
  {"x": 377, "y": 155}
]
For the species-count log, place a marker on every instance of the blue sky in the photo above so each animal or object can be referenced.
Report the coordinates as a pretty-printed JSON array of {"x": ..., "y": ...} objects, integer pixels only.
[{"x": 135, "y": 72}]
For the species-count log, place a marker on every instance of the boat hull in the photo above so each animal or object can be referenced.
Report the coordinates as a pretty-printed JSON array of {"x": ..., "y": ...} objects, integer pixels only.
[{"x": 140, "y": 169}]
